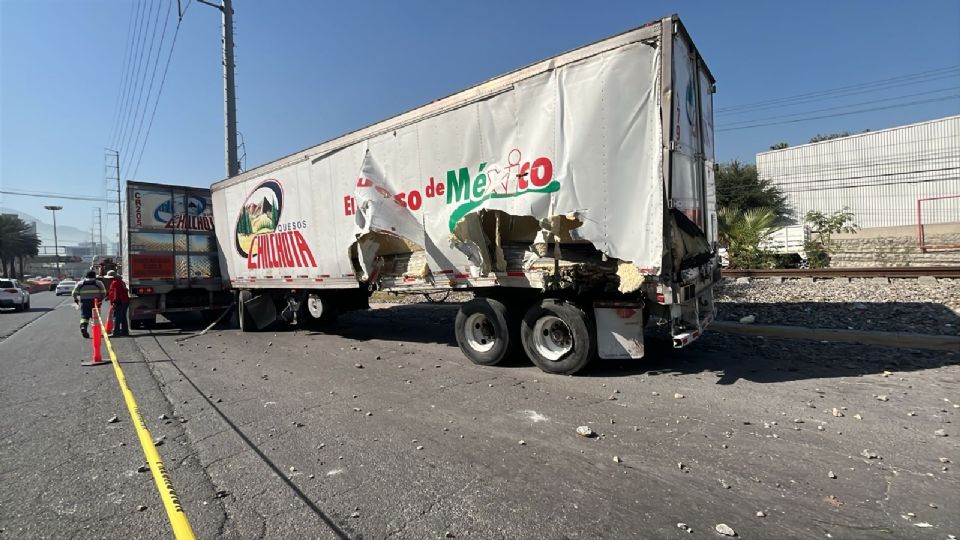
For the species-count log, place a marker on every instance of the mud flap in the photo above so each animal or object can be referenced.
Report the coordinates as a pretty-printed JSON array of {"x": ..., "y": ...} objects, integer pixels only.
[
  {"x": 619, "y": 330},
  {"x": 262, "y": 310}
]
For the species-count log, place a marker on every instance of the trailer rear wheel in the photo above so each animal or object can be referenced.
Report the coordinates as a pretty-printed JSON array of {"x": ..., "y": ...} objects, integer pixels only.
[
  {"x": 558, "y": 336},
  {"x": 246, "y": 320},
  {"x": 485, "y": 331},
  {"x": 317, "y": 311}
]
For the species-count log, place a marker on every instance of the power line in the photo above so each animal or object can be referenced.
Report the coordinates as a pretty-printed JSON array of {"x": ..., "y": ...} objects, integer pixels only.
[
  {"x": 840, "y": 107},
  {"x": 134, "y": 76},
  {"x": 860, "y": 111},
  {"x": 126, "y": 61},
  {"x": 53, "y": 195},
  {"x": 153, "y": 76},
  {"x": 137, "y": 111},
  {"x": 163, "y": 79},
  {"x": 841, "y": 89}
]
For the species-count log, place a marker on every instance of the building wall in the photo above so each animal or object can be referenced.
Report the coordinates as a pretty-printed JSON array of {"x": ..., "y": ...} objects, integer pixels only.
[{"x": 879, "y": 175}]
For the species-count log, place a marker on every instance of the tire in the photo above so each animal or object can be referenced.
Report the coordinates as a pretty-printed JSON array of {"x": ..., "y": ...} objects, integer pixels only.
[
  {"x": 558, "y": 336},
  {"x": 486, "y": 332},
  {"x": 18, "y": 307},
  {"x": 246, "y": 321},
  {"x": 317, "y": 311}
]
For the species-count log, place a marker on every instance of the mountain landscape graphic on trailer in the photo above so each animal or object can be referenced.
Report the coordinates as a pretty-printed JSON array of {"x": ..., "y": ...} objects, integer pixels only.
[{"x": 259, "y": 214}]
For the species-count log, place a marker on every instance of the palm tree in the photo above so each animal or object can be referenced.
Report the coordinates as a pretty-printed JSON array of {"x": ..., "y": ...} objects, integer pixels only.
[
  {"x": 743, "y": 232},
  {"x": 16, "y": 242}
]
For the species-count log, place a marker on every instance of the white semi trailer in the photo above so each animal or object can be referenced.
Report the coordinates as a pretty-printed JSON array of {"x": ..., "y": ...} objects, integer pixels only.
[{"x": 574, "y": 197}]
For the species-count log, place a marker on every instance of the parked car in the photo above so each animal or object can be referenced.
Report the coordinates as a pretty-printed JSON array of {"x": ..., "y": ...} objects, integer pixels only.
[
  {"x": 66, "y": 287},
  {"x": 13, "y": 295}
]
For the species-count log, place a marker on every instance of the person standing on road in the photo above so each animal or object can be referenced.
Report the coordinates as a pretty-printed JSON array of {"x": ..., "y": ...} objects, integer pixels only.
[
  {"x": 88, "y": 292},
  {"x": 119, "y": 302}
]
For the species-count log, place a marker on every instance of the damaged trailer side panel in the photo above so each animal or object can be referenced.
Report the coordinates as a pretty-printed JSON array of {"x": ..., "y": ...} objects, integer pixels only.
[{"x": 553, "y": 177}]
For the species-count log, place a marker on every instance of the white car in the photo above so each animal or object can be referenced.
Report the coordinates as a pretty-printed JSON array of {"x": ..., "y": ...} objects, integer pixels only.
[
  {"x": 12, "y": 295},
  {"x": 65, "y": 287}
]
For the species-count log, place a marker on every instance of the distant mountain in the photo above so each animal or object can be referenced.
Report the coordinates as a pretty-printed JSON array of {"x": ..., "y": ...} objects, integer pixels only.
[{"x": 66, "y": 234}]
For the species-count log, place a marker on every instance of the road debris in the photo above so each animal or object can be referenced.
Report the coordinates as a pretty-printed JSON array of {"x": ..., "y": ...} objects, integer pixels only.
[
  {"x": 761, "y": 514},
  {"x": 940, "y": 433},
  {"x": 616, "y": 459},
  {"x": 141, "y": 508},
  {"x": 725, "y": 529},
  {"x": 837, "y": 412},
  {"x": 143, "y": 468},
  {"x": 678, "y": 396},
  {"x": 882, "y": 398},
  {"x": 858, "y": 416},
  {"x": 870, "y": 454},
  {"x": 684, "y": 527},
  {"x": 113, "y": 419},
  {"x": 832, "y": 474},
  {"x": 522, "y": 442},
  {"x": 585, "y": 431}
]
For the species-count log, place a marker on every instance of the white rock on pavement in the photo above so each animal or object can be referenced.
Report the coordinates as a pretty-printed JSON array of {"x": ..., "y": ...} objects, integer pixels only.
[
  {"x": 725, "y": 529},
  {"x": 684, "y": 527},
  {"x": 940, "y": 433},
  {"x": 585, "y": 431}
]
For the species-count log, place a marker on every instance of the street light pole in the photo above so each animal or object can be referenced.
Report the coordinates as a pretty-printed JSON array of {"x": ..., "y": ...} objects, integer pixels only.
[
  {"x": 229, "y": 89},
  {"x": 56, "y": 247}
]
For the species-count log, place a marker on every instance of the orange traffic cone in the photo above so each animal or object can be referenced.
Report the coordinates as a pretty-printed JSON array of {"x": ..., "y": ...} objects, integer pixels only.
[
  {"x": 97, "y": 355},
  {"x": 110, "y": 319}
]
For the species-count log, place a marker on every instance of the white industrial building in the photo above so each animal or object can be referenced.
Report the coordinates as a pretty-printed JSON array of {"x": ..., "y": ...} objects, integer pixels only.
[{"x": 879, "y": 175}]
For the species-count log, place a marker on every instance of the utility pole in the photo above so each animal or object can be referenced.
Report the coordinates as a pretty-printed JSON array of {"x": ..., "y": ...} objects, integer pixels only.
[
  {"x": 114, "y": 156},
  {"x": 229, "y": 90},
  {"x": 56, "y": 248}
]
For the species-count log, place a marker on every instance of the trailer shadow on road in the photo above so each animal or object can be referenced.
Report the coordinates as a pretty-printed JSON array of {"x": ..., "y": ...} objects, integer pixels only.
[{"x": 729, "y": 357}]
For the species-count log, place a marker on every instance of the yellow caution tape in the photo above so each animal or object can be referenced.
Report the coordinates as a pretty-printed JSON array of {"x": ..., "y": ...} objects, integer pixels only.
[{"x": 178, "y": 519}]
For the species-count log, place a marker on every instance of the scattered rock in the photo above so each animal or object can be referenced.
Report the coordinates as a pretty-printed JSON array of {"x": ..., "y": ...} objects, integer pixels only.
[
  {"x": 684, "y": 527},
  {"x": 113, "y": 419},
  {"x": 358, "y": 366},
  {"x": 858, "y": 416},
  {"x": 448, "y": 534},
  {"x": 143, "y": 468},
  {"x": 159, "y": 440},
  {"x": 655, "y": 393},
  {"x": 612, "y": 397},
  {"x": 820, "y": 428},
  {"x": 420, "y": 448},
  {"x": 831, "y": 474},
  {"x": 679, "y": 396},
  {"x": 163, "y": 417},
  {"x": 725, "y": 529},
  {"x": 355, "y": 515},
  {"x": 141, "y": 508},
  {"x": 911, "y": 413},
  {"x": 870, "y": 454},
  {"x": 369, "y": 413},
  {"x": 761, "y": 513},
  {"x": 749, "y": 319},
  {"x": 616, "y": 459},
  {"x": 723, "y": 483},
  {"x": 221, "y": 493},
  {"x": 522, "y": 442},
  {"x": 944, "y": 460},
  {"x": 585, "y": 431},
  {"x": 940, "y": 433},
  {"x": 922, "y": 525},
  {"x": 883, "y": 398},
  {"x": 837, "y": 412},
  {"x": 682, "y": 467}
]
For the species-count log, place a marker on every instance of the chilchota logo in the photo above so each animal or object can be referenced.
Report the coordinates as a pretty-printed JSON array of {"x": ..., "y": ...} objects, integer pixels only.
[{"x": 263, "y": 239}]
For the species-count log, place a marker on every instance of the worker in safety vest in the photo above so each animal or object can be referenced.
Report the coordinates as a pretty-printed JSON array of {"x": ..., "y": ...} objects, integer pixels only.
[{"x": 88, "y": 293}]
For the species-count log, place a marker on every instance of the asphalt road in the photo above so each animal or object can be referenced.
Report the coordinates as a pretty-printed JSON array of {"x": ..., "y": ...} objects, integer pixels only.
[{"x": 379, "y": 428}]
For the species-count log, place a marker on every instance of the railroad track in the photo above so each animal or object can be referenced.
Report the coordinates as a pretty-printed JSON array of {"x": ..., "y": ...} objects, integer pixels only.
[{"x": 826, "y": 273}]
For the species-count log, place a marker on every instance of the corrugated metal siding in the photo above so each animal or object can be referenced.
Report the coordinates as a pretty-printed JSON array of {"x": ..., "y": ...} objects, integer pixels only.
[{"x": 878, "y": 175}]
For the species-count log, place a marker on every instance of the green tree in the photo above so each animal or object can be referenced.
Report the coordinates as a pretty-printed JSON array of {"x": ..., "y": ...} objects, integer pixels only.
[
  {"x": 16, "y": 242},
  {"x": 743, "y": 231},
  {"x": 739, "y": 187},
  {"x": 779, "y": 146},
  {"x": 824, "y": 226}
]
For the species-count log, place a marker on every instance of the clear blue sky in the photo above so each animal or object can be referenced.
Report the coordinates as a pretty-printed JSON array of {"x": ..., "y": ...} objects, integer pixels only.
[{"x": 309, "y": 71}]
